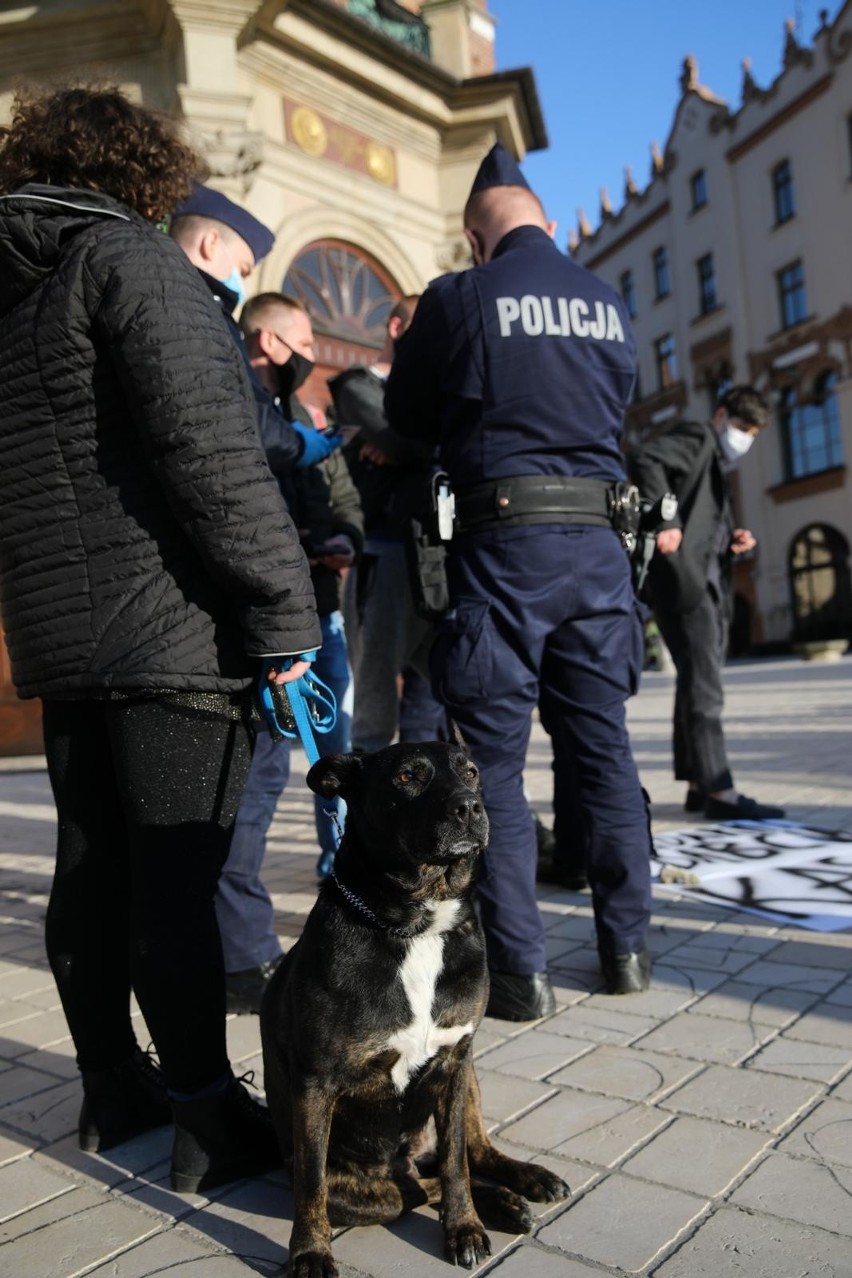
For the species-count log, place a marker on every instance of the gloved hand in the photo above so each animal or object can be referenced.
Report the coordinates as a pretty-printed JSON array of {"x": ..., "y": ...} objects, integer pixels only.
[{"x": 316, "y": 444}]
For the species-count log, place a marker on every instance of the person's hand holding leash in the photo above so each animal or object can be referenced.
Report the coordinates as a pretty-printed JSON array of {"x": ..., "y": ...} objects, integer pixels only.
[{"x": 274, "y": 702}]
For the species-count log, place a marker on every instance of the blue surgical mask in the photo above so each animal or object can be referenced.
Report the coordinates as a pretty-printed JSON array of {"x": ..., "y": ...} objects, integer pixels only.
[{"x": 235, "y": 283}]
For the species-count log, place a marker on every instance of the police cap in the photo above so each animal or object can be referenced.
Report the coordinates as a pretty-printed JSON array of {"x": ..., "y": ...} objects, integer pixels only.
[
  {"x": 203, "y": 201},
  {"x": 499, "y": 168}
]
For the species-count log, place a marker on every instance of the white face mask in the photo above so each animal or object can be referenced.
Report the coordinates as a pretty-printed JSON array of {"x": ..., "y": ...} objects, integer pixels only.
[{"x": 734, "y": 443}]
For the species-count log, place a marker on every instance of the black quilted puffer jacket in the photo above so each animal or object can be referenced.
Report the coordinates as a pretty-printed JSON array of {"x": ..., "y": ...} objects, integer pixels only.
[{"x": 143, "y": 540}]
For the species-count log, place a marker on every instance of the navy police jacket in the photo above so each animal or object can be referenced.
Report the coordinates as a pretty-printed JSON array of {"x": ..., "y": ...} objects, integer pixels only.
[{"x": 522, "y": 366}]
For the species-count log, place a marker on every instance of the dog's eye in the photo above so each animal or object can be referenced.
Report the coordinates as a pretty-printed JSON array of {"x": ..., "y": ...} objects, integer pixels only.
[
  {"x": 471, "y": 773},
  {"x": 405, "y": 776}
]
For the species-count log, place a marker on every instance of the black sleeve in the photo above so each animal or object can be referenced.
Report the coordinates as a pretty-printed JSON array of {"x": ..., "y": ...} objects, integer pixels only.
[
  {"x": 281, "y": 441},
  {"x": 358, "y": 402},
  {"x": 666, "y": 464},
  {"x": 413, "y": 391},
  {"x": 193, "y": 409}
]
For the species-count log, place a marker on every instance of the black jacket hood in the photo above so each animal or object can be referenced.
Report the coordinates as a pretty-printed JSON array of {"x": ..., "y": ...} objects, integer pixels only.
[{"x": 36, "y": 223}]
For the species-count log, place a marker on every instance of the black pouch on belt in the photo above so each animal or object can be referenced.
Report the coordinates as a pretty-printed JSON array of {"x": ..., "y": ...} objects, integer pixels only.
[{"x": 426, "y": 550}]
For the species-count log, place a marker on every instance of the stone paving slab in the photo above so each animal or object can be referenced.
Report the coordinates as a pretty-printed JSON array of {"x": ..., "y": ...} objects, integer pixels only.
[
  {"x": 799, "y": 1189},
  {"x": 738, "y": 1244},
  {"x": 701, "y": 1157},
  {"x": 624, "y": 1223},
  {"x": 704, "y": 1127}
]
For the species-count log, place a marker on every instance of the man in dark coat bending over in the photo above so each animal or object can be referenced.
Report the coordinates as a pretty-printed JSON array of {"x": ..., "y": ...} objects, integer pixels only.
[{"x": 689, "y": 582}]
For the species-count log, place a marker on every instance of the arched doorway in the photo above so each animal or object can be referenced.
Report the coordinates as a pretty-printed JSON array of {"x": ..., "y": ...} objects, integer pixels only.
[
  {"x": 820, "y": 585},
  {"x": 348, "y": 295}
]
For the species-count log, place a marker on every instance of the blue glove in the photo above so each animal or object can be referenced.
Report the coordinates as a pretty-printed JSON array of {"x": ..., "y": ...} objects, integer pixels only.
[{"x": 316, "y": 444}]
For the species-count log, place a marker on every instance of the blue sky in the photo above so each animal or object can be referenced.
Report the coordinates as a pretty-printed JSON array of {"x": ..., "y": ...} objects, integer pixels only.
[{"x": 607, "y": 73}]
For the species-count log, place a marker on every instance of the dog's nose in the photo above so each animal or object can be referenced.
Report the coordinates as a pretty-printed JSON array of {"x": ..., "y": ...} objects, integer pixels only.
[{"x": 467, "y": 807}]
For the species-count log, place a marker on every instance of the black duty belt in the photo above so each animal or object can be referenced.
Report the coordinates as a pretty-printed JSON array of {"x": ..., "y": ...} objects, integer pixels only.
[{"x": 534, "y": 499}]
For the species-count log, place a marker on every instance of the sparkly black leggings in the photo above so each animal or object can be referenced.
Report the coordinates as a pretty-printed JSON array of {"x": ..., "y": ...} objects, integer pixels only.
[{"x": 146, "y": 794}]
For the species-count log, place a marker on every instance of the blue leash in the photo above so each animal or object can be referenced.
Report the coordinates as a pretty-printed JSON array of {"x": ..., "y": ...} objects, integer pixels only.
[{"x": 298, "y": 710}]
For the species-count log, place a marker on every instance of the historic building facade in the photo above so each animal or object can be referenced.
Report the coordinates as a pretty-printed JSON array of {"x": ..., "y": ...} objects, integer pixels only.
[
  {"x": 735, "y": 264},
  {"x": 352, "y": 128}
]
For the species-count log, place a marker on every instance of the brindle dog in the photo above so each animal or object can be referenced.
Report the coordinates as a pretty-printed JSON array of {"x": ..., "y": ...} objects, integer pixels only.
[{"x": 368, "y": 1023}]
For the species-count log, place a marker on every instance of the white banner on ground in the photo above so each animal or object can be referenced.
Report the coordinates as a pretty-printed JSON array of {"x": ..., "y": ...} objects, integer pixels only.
[{"x": 792, "y": 874}]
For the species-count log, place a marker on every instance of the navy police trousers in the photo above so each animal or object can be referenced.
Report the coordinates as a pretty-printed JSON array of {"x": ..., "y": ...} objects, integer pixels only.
[{"x": 545, "y": 616}]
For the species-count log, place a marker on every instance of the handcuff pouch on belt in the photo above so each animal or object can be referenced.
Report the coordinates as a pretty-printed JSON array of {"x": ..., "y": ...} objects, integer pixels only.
[{"x": 426, "y": 550}]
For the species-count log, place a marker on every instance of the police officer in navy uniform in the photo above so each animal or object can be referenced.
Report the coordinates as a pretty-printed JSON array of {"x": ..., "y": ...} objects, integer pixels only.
[{"x": 520, "y": 369}]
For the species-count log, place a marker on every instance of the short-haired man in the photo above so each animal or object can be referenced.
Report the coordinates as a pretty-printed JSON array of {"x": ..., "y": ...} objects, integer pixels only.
[
  {"x": 324, "y": 505},
  {"x": 689, "y": 585},
  {"x": 520, "y": 370}
]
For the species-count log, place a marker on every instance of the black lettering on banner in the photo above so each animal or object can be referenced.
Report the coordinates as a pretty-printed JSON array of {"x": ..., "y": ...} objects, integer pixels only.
[{"x": 794, "y": 872}]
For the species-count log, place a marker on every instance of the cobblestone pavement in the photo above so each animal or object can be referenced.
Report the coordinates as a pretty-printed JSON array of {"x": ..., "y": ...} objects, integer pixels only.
[{"x": 705, "y": 1126}]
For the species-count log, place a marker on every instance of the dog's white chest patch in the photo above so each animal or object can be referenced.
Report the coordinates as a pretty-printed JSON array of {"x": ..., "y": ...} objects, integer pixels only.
[{"x": 418, "y": 1041}]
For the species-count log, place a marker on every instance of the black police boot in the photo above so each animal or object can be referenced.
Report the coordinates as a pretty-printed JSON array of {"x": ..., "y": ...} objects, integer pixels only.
[
  {"x": 222, "y": 1138},
  {"x": 244, "y": 990},
  {"x": 520, "y": 998},
  {"x": 627, "y": 973},
  {"x": 122, "y": 1102}
]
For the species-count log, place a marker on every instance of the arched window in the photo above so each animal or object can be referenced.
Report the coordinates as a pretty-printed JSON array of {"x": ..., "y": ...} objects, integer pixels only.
[
  {"x": 820, "y": 584},
  {"x": 349, "y": 296},
  {"x": 346, "y": 292},
  {"x": 811, "y": 431}
]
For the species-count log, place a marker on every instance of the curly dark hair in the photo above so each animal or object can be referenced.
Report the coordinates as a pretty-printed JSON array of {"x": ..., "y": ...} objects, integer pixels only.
[{"x": 95, "y": 139}]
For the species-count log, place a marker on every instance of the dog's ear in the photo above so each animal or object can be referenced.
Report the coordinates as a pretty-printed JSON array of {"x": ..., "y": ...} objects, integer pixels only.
[
  {"x": 334, "y": 774},
  {"x": 456, "y": 736}
]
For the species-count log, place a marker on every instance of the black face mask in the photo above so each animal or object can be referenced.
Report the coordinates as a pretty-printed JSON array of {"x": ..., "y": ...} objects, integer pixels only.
[{"x": 294, "y": 373}]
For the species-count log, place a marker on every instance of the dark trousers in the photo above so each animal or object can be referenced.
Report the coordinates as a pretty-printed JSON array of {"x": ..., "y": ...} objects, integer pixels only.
[
  {"x": 146, "y": 795},
  {"x": 546, "y": 616},
  {"x": 697, "y": 641}
]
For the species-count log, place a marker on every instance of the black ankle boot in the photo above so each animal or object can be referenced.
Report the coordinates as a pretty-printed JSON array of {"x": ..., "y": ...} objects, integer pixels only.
[
  {"x": 520, "y": 998},
  {"x": 221, "y": 1138},
  {"x": 627, "y": 973},
  {"x": 122, "y": 1102}
]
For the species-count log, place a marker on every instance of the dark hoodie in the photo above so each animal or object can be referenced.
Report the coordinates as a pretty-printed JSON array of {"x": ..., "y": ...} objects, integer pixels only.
[{"x": 142, "y": 538}]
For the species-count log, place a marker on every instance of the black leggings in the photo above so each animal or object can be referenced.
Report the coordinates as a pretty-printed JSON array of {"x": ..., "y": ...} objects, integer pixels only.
[{"x": 146, "y": 794}]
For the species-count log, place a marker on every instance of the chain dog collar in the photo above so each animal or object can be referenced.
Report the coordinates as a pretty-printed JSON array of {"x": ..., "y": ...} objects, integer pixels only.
[{"x": 367, "y": 912}]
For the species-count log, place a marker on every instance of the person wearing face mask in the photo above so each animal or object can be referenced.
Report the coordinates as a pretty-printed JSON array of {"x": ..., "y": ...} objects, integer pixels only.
[
  {"x": 689, "y": 587},
  {"x": 225, "y": 242},
  {"x": 325, "y": 507}
]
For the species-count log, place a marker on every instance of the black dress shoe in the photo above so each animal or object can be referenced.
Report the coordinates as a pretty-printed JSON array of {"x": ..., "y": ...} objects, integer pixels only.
[
  {"x": 628, "y": 973},
  {"x": 743, "y": 810},
  {"x": 244, "y": 990},
  {"x": 520, "y": 998},
  {"x": 695, "y": 801},
  {"x": 570, "y": 877}
]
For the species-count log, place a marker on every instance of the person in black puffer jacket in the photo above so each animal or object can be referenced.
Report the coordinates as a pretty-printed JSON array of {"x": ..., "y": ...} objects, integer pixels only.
[{"x": 149, "y": 574}]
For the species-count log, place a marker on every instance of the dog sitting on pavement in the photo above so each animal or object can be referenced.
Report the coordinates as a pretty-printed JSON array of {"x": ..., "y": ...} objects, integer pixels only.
[{"x": 367, "y": 1024}]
